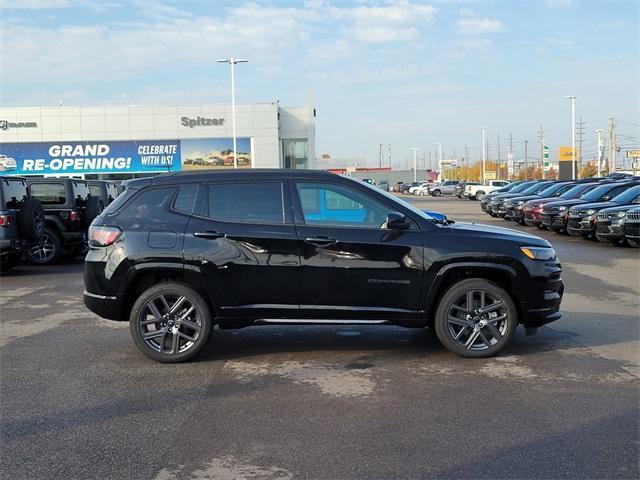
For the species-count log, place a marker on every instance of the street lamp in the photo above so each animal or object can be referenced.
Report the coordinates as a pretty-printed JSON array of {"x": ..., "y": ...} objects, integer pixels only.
[
  {"x": 232, "y": 61},
  {"x": 439, "y": 158},
  {"x": 415, "y": 163},
  {"x": 484, "y": 152},
  {"x": 573, "y": 134},
  {"x": 600, "y": 151}
]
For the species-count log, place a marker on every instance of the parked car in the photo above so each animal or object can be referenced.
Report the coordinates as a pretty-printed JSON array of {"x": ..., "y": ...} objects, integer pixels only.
[
  {"x": 232, "y": 245},
  {"x": 533, "y": 208},
  {"x": 69, "y": 209},
  {"x": 397, "y": 186},
  {"x": 478, "y": 192},
  {"x": 610, "y": 224},
  {"x": 384, "y": 185},
  {"x": 582, "y": 218},
  {"x": 443, "y": 188},
  {"x": 370, "y": 181},
  {"x": 422, "y": 190},
  {"x": 106, "y": 190},
  {"x": 414, "y": 188},
  {"x": 498, "y": 208},
  {"x": 632, "y": 227},
  {"x": 512, "y": 187},
  {"x": 514, "y": 206},
  {"x": 458, "y": 191},
  {"x": 21, "y": 220},
  {"x": 555, "y": 214},
  {"x": 405, "y": 187}
]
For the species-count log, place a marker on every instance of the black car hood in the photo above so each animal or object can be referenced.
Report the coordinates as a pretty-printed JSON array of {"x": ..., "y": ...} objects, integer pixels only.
[
  {"x": 621, "y": 208},
  {"x": 565, "y": 203},
  {"x": 597, "y": 205},
  {"x": 525, "y": 198},
  {"x": 500, "y": 233}
]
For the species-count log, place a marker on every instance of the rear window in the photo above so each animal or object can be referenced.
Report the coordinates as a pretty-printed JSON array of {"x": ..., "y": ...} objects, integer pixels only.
[
  {"x": 260, "y": 202},
  {"x": 95, "y": 190},
  {"x": 49, "y": 193},
  {"x": 14, "y": 191},
  {"x": 186, "y": 198},
  {"x": 148, "y": 205}
]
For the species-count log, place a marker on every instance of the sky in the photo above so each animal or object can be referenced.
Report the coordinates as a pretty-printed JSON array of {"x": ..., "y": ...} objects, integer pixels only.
[{"x": 399, "y": 72}]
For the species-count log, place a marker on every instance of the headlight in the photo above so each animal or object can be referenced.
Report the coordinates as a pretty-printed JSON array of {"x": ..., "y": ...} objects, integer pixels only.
[
  {"x": 620, "y": 214},
  {"x": 562, "y": 209},
  {"x": 591, "y": 211},
  {"x": 539, "y": 253}
]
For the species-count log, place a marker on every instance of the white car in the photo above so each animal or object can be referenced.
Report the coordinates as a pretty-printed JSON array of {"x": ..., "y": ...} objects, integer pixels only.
[
  {"x": 478, "y": 192},
  {"x": 422, "y": 189},
  {"x": 7, "y": 163},
  {"x": 413, "y": 190}
]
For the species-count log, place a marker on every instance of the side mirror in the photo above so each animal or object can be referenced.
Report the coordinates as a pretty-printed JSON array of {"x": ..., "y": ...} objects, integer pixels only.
[
  {"x": 397, "y": 221},
  {"x": 606, "y": 198}
]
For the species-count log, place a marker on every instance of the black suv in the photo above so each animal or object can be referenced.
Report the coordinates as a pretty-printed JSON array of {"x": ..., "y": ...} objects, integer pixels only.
[
  {"x": 69, "y": 209},
  {"x": 21, "y": 220},
  {"x": 176, "y": 254},
  {"x": 632, "y": 227}
]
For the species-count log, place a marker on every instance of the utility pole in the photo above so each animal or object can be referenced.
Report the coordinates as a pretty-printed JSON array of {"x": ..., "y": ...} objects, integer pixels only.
[
  {"x": 466, "y": 156},
  {"x": 580, "y": 132},
  {"x": 541, "y": 140},
  {"x": 439, "y": 158},
  {"x": 526, "y": 159},
  {"x": 415, "y": 163},
  {"x": 499, "y": 165},
  {"x": 600, "y": 153},
  {"x": 430, "y": 165},
  {"x": 484, "y": 152},
  {"x": 232, "y": 62},
  {"x": 389, "y": 156},
  {"x": 510, "y": 169},
  {"x": 612, "y": 145},
  {"x": 573, "y": 134},
  {"x": 380, "y": 158}
]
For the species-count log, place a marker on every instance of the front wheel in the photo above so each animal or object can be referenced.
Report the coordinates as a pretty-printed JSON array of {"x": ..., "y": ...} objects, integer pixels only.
[
  {"x": 633, "y": 243},
  {"x": 170, "y": 322},
  {"x": 480, "y": 195},
  {"x": 436, "y": 193},
  {"x": 476, "y": 318}
]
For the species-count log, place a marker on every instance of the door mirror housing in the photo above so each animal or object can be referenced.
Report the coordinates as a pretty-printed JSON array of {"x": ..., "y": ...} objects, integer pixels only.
[
  {"x": 606, "y": 198},
  {"x": 397, "y": 221}
]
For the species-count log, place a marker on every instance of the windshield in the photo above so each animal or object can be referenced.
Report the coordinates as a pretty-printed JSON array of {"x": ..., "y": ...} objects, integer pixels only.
[
  {"x": 535, "y": 188},
  {"x": 595, "y": 194},
  {"x": 520, "y": 188},
  {"x": 628, "y": 196},
  {"x": 401, "y": 202},
  {"x": 549, "y": 190},
  {"x": 579, "y": 190}
]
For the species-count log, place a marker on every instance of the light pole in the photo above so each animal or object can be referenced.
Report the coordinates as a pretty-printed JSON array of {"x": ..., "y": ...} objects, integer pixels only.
[
  {"x": 484, "y": 152},
  {"x": 232, "y": 61},
  {"x": 439, "y": 159},
  {"x": 573, "y": 134},
  {"x": 599, "y": 133},
  {"x": 415, "y": 163}
]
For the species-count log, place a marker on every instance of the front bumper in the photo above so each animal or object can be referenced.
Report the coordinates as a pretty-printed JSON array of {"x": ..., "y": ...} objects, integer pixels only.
[
  {"x": 533, "y": 217},
  {"x": 499, "y": 210},
  {"x": 632, "y": 230},
  {"x": 553, "y": 221},
  {"x": 513, "y": 214},
  {"x": 544, "y": 306},
  {"x": 581, "y": 225},
  {"x": 606, "y": 229}
]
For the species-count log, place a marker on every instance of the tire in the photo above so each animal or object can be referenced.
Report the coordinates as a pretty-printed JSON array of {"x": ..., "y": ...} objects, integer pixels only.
[
  {"x": 633, "y": 243},
  {"x": 574, "y": 234},
  {"x": 436, "y": 193},
  {"x": 48, "y": 249},
  {"x": 31, "y": 219},
  {"x": 93, "y": 208},
  {"x": 493, "y": 335},
  {"x": 480, "y": 195},
  {"x": 7, "y": 262},
  {"x": 165, "y": 329}
]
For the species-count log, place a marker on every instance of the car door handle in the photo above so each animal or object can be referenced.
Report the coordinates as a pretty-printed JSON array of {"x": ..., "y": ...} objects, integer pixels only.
[
  {"x": 321, "y": 241},
  {"x": 209, "y": 235}
]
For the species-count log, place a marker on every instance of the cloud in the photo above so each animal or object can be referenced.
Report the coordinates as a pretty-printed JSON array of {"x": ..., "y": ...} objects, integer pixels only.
[
  {"x": 560, "y": 42},
  {"x": 471, "y": 24},
  {"x": 33, "y": 4},
  {"x": 559, "y": 3}
]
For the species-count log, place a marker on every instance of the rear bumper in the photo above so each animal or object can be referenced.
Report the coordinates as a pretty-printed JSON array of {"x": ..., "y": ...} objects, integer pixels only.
[
  {"x": 109, "y": 307},
  {"x": 12, "y": 246}
]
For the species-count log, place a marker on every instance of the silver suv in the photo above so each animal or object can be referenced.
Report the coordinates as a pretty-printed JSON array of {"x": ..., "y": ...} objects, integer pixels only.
[{"x": 444, "y": 188}]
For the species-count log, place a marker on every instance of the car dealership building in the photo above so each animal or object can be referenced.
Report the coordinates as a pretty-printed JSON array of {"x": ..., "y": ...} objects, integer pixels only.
[{"x": 130, "y": 140}]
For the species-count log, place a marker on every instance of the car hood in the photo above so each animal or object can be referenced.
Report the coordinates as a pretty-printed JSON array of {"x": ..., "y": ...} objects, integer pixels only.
[
  {"x": 501, "y": 233},
  {"x": 565, "y": 203},
  {"x": 543, "y": 200},
  {"x": 619, "y": 208},
  {"x": 524, "y": 198},
  {"x": 597, "y": 205}
]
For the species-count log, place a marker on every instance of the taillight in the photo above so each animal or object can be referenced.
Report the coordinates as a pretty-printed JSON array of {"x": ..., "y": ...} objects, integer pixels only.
[
  {"x": 103, "y": 236},
  {"x": 73, "y": 216},
  {"x": 5, "y": 220}
]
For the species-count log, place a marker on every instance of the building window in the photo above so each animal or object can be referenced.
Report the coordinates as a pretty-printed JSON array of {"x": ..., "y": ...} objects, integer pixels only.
[{"x": 296, "y": 153}]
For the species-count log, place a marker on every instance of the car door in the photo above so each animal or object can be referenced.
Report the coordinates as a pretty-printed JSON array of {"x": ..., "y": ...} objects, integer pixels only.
[
  {"x": 352, "y": 266},
  {"x": 244, "y": 242}
]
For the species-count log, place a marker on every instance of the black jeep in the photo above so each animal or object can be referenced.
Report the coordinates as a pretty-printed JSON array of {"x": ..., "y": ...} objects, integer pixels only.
[
  {"x": 177, "y": 254},
  {"x": 21, "y": 220},
  {"x": 106, "y": 190},
  {"x": 69, "y": 209}
]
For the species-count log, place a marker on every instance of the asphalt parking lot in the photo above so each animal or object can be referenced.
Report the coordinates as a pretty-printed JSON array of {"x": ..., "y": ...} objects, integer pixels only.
[{"x": 80, "y": 401}]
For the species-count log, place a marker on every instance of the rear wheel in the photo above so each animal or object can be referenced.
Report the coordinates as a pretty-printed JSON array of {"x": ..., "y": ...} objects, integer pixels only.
[
  {"x": 633, "y": 243},
  {"x": 436, "y": 193},
  {"x": 170, "y": 322},
  {"x": 480, "y": 195},
  {"x": 476, "y": 318},
  {"x": 47, "y": 250}
]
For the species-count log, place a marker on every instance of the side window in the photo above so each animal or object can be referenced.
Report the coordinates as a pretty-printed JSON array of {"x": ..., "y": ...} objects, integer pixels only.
[
  {"x": 147, "y": 205},
  {"x": 186, "y": 198},
  {"x": 95, "y": 190},
  {"x": 14, "y": 192},
  {"x": 329, "y": 204},
  {"x": 49, "y": 193},
  {"x": 259, "y": 202}
]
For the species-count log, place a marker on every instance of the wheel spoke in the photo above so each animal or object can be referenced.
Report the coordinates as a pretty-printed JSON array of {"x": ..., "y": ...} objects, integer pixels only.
[
  {"x": 164, "y": 337},
  {"x": 482, "y": 299},
  {"x": 497, "y": 319},
  {"x": 175, "y": 344},
  {"x": 164, "y": 303},
  {"x": 484, "y": 338},
  {"x": 457, "y": 336},
  {"x": 472, "y": 338},
  {"x": 460, "y": 309},
  {"x": 459, "y": 321},
  {"x": 190, "y": 324},
  {"x": 187, "y": 337},
  {"x": 492, "y": 307},
  {"x": 154, "y": 334},
  {"x": 470, "y": 300},
  {"x": 187, "y": 313},
  {"x": 154, "y": 310},
  {"x": 177, "y": 305},
  {"x": 494, "y": 332}
]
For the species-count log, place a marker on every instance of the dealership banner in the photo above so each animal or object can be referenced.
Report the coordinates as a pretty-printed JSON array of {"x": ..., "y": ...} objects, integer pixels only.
[{"x": 140, "y": 156}]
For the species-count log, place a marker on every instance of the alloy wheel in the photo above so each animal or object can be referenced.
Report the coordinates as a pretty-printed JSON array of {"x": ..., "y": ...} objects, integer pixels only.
[
  {"x": 170, "y": 324},
  {"x": 477, "y": 320},
  {"x": 43, "y": 251}
]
